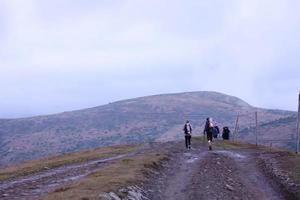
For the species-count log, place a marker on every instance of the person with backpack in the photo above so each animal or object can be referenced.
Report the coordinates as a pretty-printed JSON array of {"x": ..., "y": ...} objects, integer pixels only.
[
  {"x": 225, "y": 133},
  {"x": 209, "y": 129},
  {"x": 188, "y": 134},
  {"x": 216, "y": 132}
]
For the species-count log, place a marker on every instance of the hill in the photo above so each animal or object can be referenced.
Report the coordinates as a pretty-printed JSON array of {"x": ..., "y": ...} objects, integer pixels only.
[
  {"x": 152, "y": 118},
  {"x": 280, "y": 133}
]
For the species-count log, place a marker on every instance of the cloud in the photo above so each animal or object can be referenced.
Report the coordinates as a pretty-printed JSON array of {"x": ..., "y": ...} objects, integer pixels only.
[{"x": 66, "y": 50}]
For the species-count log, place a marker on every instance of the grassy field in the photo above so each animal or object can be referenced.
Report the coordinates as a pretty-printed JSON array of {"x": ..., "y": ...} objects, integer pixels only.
[
  {"x": 32, "y": 166},
  {"x": 119, "y": 174}
]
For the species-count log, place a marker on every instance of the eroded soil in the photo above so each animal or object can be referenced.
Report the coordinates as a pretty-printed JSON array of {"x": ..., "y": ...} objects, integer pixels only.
[{"x": 222, "y": 173}]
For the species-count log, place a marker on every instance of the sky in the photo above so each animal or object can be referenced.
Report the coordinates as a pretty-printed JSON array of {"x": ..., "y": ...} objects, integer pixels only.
[{"x": 62, "y": 55}]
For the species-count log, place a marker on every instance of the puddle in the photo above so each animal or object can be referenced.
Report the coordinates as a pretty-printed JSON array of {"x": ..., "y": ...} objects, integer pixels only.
[
  {"x": 73, "y": 178},
  {"x": 56, "y": 171},
  {"x": 191, "y": 160},
  {"x": 34, "y": 185},
  {"x": 194, "y": 156},
  {"x": 232, "y": 154}
]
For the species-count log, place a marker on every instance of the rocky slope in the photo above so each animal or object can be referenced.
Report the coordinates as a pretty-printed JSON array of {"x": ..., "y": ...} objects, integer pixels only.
[{"x": 152, "y": 118}]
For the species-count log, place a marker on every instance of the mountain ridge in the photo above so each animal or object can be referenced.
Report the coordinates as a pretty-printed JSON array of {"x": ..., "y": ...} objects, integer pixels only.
[
  {"x": 150, "y": 118},
  {"x": 136, "y": 98}
]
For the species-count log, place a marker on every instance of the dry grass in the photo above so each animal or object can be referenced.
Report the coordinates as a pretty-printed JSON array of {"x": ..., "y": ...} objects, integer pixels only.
[
  {"x": 32, "y": 166},
  {"x": 238, "y": 145},
  {"x": 202, "y": 141},
  {"x": 294, "y": 167},
  {"x": 118, "y": 174},
  {"x": 291, "y": 164},
  {"x": 246, "y": 145}
]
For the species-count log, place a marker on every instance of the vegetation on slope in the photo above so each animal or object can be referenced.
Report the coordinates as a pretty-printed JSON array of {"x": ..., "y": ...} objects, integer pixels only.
[{"x": 153, "y": 118}]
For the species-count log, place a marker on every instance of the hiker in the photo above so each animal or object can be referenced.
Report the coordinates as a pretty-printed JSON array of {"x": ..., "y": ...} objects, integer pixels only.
[
  {"x": 188, "y": 134},
  {"x": 208, "y": 129},
  {"x": 225, "y": 133},
  {"x": 216, "y": 131}
]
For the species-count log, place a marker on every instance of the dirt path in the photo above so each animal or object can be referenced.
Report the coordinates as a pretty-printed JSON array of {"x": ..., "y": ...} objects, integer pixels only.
[
  {"x": 223, "y": 173},
  {"x": 218, "y": 174},
  {"x": 34, "y": 185}
]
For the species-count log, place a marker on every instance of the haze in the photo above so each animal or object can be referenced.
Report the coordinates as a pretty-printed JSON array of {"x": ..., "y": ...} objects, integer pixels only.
[{"x": 61, "y": 55}]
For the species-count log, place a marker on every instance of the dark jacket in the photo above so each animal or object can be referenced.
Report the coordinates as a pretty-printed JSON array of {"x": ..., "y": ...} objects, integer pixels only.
[
  {"x": 187, "y": 128},
  {"x": 206, "y": 128}
]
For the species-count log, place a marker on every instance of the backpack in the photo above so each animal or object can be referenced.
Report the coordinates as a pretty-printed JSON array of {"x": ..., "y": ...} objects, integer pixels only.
[
  {"x": 186, "y": 130},
  {"x": 226, "y": 133},
  {"x": 215, "y": 132},
  {"x": 217, "y": 129}
]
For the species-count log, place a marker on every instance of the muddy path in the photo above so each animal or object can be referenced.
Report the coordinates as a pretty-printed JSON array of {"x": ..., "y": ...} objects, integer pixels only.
[
  {"x": 223, "y": 173},
  {"x": 34, "y": 185},
  {"x": 47, "y": 180},
  {"x": 218, "y": 174}
]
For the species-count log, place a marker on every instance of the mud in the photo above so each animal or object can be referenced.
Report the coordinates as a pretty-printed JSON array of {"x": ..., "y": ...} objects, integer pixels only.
[
  {"x": 222, "y": 173},
  {"x": 218, "y": 174},
  {"x": 36, "y": 184}
]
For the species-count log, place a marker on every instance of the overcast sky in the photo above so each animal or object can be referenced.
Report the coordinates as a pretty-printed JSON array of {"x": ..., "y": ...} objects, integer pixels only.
[{"x": 60, "y": 55}]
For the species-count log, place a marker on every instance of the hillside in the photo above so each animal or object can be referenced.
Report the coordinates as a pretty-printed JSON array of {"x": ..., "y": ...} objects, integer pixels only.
[
  {"x": 152, "y": 118},
  {"x": 279, "y": 133}
]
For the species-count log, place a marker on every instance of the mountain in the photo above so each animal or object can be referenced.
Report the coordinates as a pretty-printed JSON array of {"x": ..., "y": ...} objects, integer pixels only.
[{"x": 152, "y": 118}]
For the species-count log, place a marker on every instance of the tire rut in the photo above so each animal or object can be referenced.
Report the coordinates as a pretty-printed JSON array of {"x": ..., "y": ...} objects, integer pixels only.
[
  {"x": 217, "y": 174},
  {"x": 36, "y": 184}
]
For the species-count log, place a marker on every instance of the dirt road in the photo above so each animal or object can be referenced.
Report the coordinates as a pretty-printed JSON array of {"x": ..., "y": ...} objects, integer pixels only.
[
  {"x": 34, "y": 185},
  {"x": 218, "y": 174},
  {"x": 223, "y": 173},
  {"x": 48, "y": 180}
]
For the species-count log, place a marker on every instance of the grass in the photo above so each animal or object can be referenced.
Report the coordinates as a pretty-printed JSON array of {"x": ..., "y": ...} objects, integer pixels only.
[
  {"x": 294, "y": 167},
  {"x": 247, "y": 145},
  {"x": 290, "y": 163},
  {"x": 219, "y": 143},
  {"x": 119, "y": 174},
  {"x": 36, "y": 165}
]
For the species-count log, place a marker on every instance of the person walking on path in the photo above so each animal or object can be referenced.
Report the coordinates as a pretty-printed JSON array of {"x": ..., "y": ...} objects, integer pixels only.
[
  {"x": 226, "y": 133},
  {"x": 208, "y": 129},
  {"x": 188, "y": 134}
]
